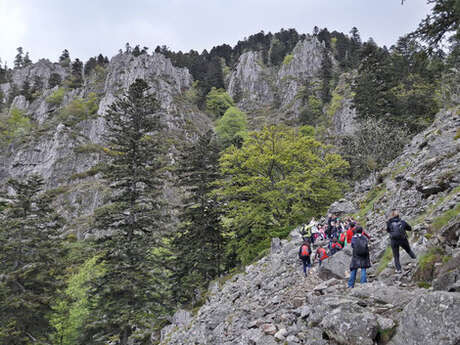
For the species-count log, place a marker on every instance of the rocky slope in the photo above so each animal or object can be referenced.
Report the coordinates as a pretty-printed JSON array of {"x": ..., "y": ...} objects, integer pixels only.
[{"x": 272, "y": 303}]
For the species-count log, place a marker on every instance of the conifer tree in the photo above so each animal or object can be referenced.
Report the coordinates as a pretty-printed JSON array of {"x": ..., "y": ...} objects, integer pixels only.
[
  {"x": 326, "y": 76},
  {"x": 131, "y": 222},
  {"x": 19, "y": 59},
  {"x": 199, "y": 238},
  {"x": 27, "y": 61},
  {"x": 30, "y": 262}
]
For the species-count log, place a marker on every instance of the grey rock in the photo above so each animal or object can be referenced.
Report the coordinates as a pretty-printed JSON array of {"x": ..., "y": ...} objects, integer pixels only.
[
  {"x": 336, "y": 266},
  {"x": 431, "y": 319},
  {"x": 342, "y": 207}
]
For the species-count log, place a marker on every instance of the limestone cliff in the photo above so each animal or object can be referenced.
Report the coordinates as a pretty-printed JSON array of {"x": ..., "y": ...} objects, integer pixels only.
[{"x": 67, "y": 152}]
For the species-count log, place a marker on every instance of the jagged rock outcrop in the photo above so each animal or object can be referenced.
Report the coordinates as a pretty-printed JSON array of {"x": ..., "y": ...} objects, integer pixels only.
[
  {"x": 271, "y": 302},
  {"x": 257, "y": 86},
  {"x": 64, "y": 153}
]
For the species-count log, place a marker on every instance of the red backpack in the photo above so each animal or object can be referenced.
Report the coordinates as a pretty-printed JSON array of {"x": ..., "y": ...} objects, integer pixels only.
[{"x": 305, "y": 251}]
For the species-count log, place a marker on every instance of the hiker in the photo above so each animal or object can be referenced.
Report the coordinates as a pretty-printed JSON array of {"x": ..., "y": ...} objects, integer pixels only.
[
  {"x": 304, "y": 255},
  {"x": 321, "y": 254},
  {"x": 360, "y": 257},
  {"x": 350, "y": 232},
  {"x": 343, "y": 239},
  {"x": 336, "y": 246},
  {"x": 397, "y": 227}
]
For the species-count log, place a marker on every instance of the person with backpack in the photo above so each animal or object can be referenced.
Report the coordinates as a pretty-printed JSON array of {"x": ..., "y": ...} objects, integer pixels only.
[
  {"x": 336, "y": 246},
  {"x": 343, "y": 239},
  {"x": 350, "y": 232},
  {"x": 397, "y": 227},
  {"x": 360, "y": 258},
  {"x": 304, "y": 255},
  {"x": 321, "y": 254}
]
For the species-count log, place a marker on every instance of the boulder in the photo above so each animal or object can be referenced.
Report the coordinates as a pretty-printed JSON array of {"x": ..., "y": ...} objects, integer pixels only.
[
  {"x": 342, "y": 207},
  {"x": 337, "y": 266},
  {"x": 448, "y": 278},
  {"x": 430, "y": 319}
]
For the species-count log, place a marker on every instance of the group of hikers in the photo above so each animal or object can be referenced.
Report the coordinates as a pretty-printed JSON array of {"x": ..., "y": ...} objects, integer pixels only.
[{"x": 340, "y": 233}]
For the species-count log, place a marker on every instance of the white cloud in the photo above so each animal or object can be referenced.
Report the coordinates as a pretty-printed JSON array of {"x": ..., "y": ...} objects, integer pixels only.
[{"x": 13, "y": 28}]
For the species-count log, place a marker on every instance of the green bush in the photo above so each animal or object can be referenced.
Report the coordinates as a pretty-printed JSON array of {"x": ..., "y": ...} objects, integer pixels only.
[
  {"x": 72, "y": 311},
  {"x": 14, "y": 126},
  {"x": 444, "y": 218},
  {"x": 56, "y": 97},
  {"x": 287, "y": 59},
  {"x": 232, "y": 127},
  {"x": 79, "y": 110},
  {"x": 218, "y": 101}
]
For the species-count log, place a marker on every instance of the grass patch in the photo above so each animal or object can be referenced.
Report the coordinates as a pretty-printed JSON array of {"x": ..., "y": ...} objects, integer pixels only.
[
  {"x": 419, "y": 219},
  {"x": 424, "y": 285},
  {"x": 457, "y": 134},
  {"x": 56, "y": 97},
  {"x": 430, "y": 257},
  {"x": 90, "y": 172},
  {"x": 367, "y": 205},
  {"x": 88, "y": 148},
  {"x": 445, "y": 218},
  {"x": 384, "y": 261}
]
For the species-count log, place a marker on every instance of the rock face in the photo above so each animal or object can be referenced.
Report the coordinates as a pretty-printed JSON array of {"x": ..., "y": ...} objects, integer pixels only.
[
  {"x": 259, "y": 87},
  {"x": 64, "y": 153},
  {"x": 271, "y": 302}
]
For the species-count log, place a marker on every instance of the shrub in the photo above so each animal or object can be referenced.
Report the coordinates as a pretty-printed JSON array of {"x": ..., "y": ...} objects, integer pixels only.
[
  {"x": 287, "y": 59},
  {"x": 79, "y": 110},
  {"x": 56, "y": 97},
  {"x": 15, "y": 126},
  {"x": 232, "y": 127},
  {"x": 218, "y": 101}
]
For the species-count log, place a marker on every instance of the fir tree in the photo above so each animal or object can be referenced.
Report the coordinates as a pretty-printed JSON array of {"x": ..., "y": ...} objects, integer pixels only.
[
  {"x": 54, "y": 80},
  {"x": 27, "y": 61},
  {"x": 19, "y": 59},
  {"x": 132, "y": 286},
  {"x": 200, "y": 237},
  {"x": 64, "y": 59},
  {"x": 326, "y": 76},
  {"x": 30, "y": 262},
  {"x": 76, "y": 78}
]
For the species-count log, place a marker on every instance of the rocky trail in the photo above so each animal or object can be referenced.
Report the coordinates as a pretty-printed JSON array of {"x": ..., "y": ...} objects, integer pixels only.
[{"x": 271, "y": 302}]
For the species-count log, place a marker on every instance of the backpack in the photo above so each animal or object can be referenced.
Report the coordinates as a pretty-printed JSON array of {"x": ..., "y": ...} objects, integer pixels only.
[
  {"x": 360, "y": 246},
  {"x": 304, "y": 251},
  {"x": 397, "y": 230}
]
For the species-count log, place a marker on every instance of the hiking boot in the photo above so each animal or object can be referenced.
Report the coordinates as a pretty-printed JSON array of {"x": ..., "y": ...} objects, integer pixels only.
[{"x": 398, "y": 272}]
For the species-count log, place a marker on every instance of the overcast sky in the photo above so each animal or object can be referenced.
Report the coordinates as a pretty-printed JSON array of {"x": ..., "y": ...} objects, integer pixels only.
[{"x": 89, "y": 27}]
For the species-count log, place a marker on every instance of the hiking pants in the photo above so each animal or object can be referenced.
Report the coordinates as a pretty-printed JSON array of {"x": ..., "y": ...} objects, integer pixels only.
[
  {"x": 395, "y": 244},
  {"x": 351, "y": 281},
  {"x": 306, "y": 264}
]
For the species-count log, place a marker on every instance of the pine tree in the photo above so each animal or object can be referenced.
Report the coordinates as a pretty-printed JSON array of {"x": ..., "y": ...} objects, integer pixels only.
[
  {"x": 54, "y": 80},
  {"x": 200, "y": 235},
  {"x": 131, "y": 222},
  {"x": 326, "y": 76},
  {"x": 76, "y": 78},
  {"x": 19, "y": 59},
  {"x": 64, "y": 59},
  {"x": 30, "y": 262},
  {"x": 27, "y": 61},
  {"x": 26, "y": 90}
]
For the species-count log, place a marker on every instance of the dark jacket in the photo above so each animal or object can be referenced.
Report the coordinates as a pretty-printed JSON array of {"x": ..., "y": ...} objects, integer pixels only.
[
  {"x": 359, "y": 261},
  {"x": 396, "y": 219}
]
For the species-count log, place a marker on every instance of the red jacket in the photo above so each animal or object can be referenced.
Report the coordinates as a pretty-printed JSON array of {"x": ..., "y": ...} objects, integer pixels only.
[
  {"x": 350, "y": 233},
  {"x": 336, "y": 245},
  {"x": 367, "y": 235},
  {"x": 321, "y": 252}
]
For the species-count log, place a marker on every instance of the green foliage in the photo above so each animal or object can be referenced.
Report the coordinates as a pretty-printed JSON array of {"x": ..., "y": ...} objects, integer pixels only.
[
  {"x": 79, "y": 110},
  {"x": 287, "y": 59},
  {"x": 31, "y": 252},
  {"x": 231, "y": 129},
  {"x": 335, "y": 104},
  {"x": 73, "y": 310},
  {"x": 56, "y": 97},
  {"x": 278, "y": 178},
  {"x": 134, "y": 286},
  {"x": 457, "y": 134},
  {"x": 200, "y": 232},
  {"x": 311, "y": 114},
  {"x": 16, "y": 125},
  {"x": 218, "y": 101},
  {"x": 372, "y": 197},
  {"x": 372, "y": 147}
]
